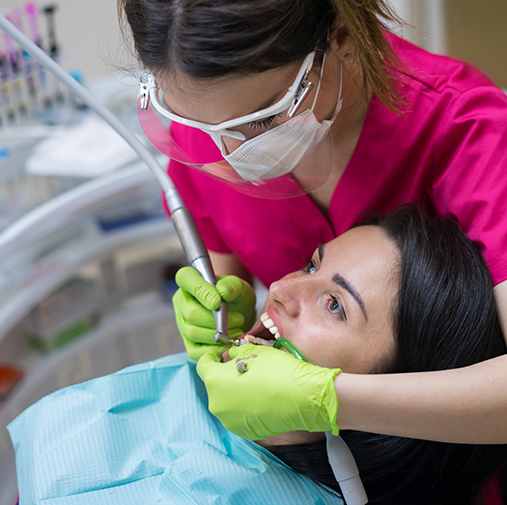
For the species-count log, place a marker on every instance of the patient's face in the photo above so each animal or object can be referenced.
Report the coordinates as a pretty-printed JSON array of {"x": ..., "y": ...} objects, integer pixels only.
[{"x": 338, "y": 311}]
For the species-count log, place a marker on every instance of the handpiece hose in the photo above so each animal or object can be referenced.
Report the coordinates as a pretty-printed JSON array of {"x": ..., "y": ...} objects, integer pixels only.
[{"x": 185, "y": 226}]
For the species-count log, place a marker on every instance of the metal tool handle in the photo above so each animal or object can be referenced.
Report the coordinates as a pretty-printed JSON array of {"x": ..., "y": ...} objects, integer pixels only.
[{"x": 198, "y": 257}]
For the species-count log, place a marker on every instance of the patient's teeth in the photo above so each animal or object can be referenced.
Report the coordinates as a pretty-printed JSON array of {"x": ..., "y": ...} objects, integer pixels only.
[
  {"x": 250, "y": 339},
  {"x": 268, "y": 323}
]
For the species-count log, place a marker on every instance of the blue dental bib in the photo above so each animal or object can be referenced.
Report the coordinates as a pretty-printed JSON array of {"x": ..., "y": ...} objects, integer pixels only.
[{"x": 144, "y": 435}]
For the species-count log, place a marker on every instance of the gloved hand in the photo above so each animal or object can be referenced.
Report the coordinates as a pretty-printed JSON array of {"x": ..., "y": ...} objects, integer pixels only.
[
  {"x": 195, "y": 300},
  {"x": 277, "y": 393}
]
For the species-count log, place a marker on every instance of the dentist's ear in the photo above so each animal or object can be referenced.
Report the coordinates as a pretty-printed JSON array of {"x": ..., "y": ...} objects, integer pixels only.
[{"x": 346, "y": 50}]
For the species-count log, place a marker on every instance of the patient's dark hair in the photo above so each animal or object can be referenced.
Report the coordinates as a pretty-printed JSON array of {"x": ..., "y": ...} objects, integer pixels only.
[{"x": 445, "y": 317}]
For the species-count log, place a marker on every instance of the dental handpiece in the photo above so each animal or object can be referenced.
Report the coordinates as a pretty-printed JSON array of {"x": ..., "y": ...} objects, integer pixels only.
[
  {"x": 190, "y": 238},
  {"x": 198, "y": 257}
]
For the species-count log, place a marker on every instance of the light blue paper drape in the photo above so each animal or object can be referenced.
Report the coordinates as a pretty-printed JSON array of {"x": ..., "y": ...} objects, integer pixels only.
[{"x": 144, "y": 436}]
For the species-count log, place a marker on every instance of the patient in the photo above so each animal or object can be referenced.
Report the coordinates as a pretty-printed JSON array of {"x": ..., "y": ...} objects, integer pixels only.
[
  {"x": 400, "y": 293},
  {"x": 391, "y": 295}
]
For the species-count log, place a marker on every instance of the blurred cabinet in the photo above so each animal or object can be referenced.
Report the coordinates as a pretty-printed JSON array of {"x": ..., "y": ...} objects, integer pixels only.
[{"x": 111, "y": 231}]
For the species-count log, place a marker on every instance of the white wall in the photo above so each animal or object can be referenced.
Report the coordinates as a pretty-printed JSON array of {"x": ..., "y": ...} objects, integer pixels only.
[
  {"x": 427, "y": 20},
  {"x": 88, "y": 33}
]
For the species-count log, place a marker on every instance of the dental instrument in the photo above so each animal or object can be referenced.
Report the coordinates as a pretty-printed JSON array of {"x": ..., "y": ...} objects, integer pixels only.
[{"x": 184, "y": 224}]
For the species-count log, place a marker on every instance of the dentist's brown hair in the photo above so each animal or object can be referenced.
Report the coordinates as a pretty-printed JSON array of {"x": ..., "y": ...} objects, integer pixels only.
[{"x": 208, "y": 40}]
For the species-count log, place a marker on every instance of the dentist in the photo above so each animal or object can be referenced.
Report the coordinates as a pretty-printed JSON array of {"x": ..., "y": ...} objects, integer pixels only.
[{"x": 290, "y": 120}]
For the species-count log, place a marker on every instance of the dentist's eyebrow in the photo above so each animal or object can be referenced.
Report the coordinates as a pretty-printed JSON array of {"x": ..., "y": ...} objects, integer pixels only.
[
  {"x": 164, "y": 103},
  {"x": 268, "y": 103},
  {"x": 345, "y": 284}
]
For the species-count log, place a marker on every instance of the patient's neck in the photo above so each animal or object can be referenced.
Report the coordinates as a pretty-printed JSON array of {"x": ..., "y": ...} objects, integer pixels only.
[{"x": 291, "y": 438}]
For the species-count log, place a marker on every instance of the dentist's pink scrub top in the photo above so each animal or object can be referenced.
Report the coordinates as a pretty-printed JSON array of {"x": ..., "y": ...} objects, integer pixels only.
[{"x": 447, "y": 152}]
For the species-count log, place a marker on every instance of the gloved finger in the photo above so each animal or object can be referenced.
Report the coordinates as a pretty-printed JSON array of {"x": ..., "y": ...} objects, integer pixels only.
[
  {"x": 240, "y": 351},
  {"x": 267, "y": 354},
  {"x": 197, "y": 315},
  {"x": 234, "y": 289},
  {"x": 197, "y": 334},
  {"x": 195, "y": 351},
  {"x": 205, "y": 335},
  {"x": 190, "y": 280},
  {"x": 248, "y": 319},
  {"x": 207, "y": 364}
]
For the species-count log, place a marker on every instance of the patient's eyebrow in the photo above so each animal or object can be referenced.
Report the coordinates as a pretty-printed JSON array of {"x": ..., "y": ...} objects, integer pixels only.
[
  {"x": 321, "y": 252},
  {"x": 345, "y": 284}
]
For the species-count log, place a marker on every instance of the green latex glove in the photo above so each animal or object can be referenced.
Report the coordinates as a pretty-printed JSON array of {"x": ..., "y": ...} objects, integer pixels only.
[
  {"x": 276, "y": 394},
  {"x": 195, "y": 301}
]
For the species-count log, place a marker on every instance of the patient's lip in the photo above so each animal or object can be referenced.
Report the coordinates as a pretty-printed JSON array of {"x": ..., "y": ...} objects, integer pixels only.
[
  {"x": 276, "y": 319},
  {"x": 257, "y": 328}
]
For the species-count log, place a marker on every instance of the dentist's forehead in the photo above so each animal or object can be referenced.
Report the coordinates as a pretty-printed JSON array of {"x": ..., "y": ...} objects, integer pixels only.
[{"x": 219, "y": 100}]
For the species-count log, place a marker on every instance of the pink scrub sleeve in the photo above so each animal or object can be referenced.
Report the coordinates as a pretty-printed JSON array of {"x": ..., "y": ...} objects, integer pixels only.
[{"x": 470, "y": 171}]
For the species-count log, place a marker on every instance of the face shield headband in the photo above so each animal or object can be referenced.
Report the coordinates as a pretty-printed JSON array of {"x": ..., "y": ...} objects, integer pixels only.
[{"x": 290, "y": 157}]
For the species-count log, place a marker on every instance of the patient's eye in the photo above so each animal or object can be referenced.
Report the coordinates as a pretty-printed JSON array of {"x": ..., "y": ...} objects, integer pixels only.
[
  {"x": 335, "y": 306},
  {"x": 310, "y": 267}
]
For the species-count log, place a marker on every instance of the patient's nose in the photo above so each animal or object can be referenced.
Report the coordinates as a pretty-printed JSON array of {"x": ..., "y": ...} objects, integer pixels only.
[{"x": 287, "y": 293}]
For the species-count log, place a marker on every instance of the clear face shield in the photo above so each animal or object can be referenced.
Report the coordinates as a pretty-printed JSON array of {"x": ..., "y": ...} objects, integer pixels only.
[{"x": 282, "y": 151}]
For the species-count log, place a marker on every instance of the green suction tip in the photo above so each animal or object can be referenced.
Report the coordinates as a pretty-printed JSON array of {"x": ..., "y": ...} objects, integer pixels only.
[{"x": 289, "y": 347}]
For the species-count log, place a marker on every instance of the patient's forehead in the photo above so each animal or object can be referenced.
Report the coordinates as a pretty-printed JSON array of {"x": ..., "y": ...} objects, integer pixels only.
[{"x": 361, "y": 247}]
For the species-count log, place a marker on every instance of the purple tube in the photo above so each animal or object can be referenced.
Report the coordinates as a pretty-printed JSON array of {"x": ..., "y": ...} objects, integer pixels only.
[{"x": 32, "y": 14}]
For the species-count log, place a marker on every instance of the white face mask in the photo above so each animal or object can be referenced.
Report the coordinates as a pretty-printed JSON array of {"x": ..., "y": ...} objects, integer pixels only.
[{"x": 279, "y": 151}]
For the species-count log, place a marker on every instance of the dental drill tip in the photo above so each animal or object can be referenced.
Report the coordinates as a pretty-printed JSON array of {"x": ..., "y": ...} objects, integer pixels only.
[{"x": 221, "y": 338}]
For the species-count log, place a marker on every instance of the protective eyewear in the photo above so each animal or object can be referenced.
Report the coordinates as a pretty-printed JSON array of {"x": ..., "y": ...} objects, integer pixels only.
[
  {"x": 290, "y": 156},
  {"x": 291, "y": 102}
]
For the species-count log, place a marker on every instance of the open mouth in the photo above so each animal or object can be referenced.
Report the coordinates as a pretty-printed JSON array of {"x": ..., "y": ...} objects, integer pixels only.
[{"x": 265, "y": 332}]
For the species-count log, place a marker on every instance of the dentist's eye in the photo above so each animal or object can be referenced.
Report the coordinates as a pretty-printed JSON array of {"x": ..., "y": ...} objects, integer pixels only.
[
  {"x": 263, "y": 123},
  {"x": 310, "y": 267},
  {"x": 335, "y": 306}
]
